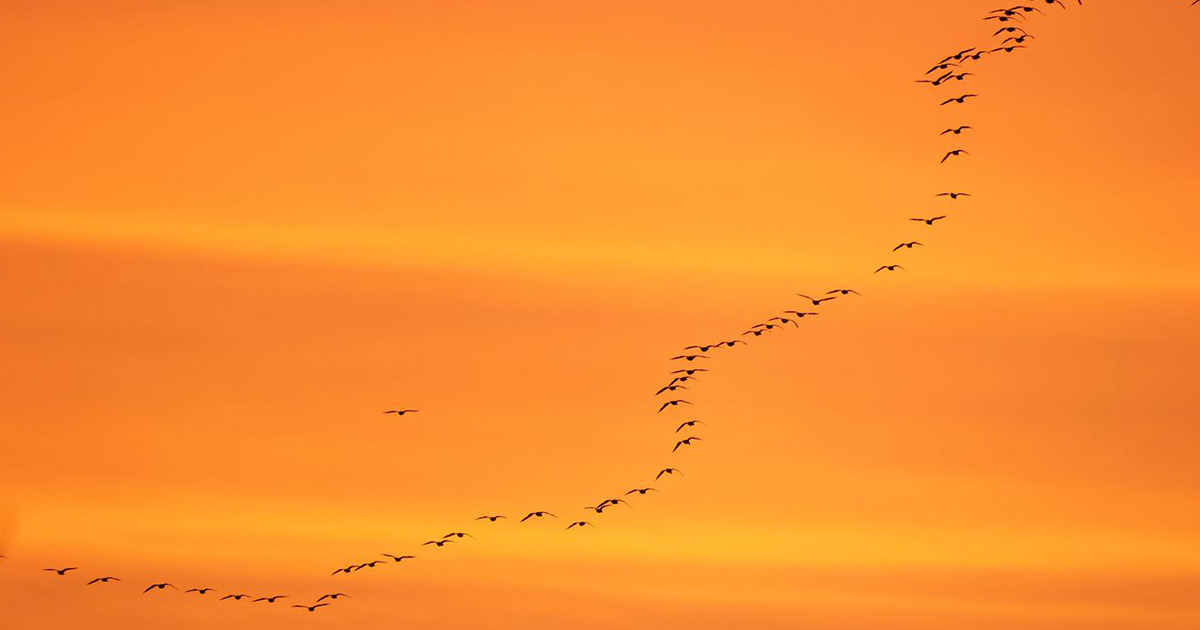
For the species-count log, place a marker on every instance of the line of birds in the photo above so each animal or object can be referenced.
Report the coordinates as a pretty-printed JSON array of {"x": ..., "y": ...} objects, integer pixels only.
[{"x": 948, "y": 70}]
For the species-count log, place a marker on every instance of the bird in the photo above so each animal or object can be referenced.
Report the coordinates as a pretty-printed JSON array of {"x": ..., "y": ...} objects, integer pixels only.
[
  {"x": 957, "y": 130},
  {"x": 961, "y": 76},
  {"x": 954, "y": 153},
  {"x": 160, "y": 586},
  {"x": 271, "y": 599},
  {"x": 457, "y": 535},
  {"x": 784, "y": 320},
  {"x": 817, "y": 301},
  {"x": 201, "y": 591},
  {"x": 579, "y": 524},
  {"x": 396, "y": 559},
  {"x": 1010, "y": 29},
  {"x": 104, "y": 580},
  {"x": 959, "y": 99},
  {"x": 439, "y": 543},
  {"x": 62, "y": 571},
  {"x": 689, "y": 423},
  {"x": 538, "y": 514},
  {"x": 889, "y": 268},
  {"x": 704, "y": 348},
  {"x": 491, "y": 518},
  {"x": 953, "y": 195},
  {"x": 312, "y": 608},
  {"x": 332, "y": 596},
  {"x": 641, "y": 490},
  {"x": 401, "y": 412},
  {"x": 1008, "y": 49},
  {"x": 930, "y": 221},
  {"x": 759, "y": 329},
  {"x": 238, "y": 597},
  {"x": 843, "y": 292},
  {"x": 1020, "y": 39},
  {"x": 369, "y": 565},
  {"x": 612, "y": 502},
  {"x": 668, "y": 471},
  {"x": 690, "y": 371},
  {"x": 688, "y": 357},
  {"x": 800, "y": 314},
  {"x": 732, "y": 342},
  {"x": 938, "y": 81},
  {"x": 685, "y": 442},
  {"x": 909, "y": 245},
  {"x": 679, "y": 379},
  {"x": 670, "y": 388},
  {"x": 673, "y": 403},
  {"x": 348, "y": 569},
  {"x": 945, "y": 65}
]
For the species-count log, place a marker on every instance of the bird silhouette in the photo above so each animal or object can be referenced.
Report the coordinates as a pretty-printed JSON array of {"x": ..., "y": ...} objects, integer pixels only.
[
  {"x": 957, "y": 130},
  {"x": 959, "y": 99},
  {"x": 457, "y": 535},
  {"x": 668, "y": 471},
  {"x": 689, "y": 423},
  {"x": 492, "y": 518},
  {"x": 160, "y": 586},
  {"x": 954, "y": 153},
  {"x": 200, "y": 591},
  {"x": 953, "y": 195},
  {"x": 401, "y": 412},
  {"x": 396, "y": 559},
  {"x": 332, "y": 596},
  {"x": 368, "y": 565},
  {"x": 670, "y": 388},
  {"x": 271, "y": 599},
  {"x": 673, "y": 403},
  {"x": 843, "y": 292},
  {"x": 689, "y": 357},
  {"x": 817, "y": 301},
  {"x": 641, "y": 490},
  {"x": 889, "y": 268},
  {"x": 930, "y": 221},
  {"x": 538, "y": 514},
  {"x": 345, "y": 569},
  {"x": 237, "y": 597},
  {"x": 801, "y": 314},
  {"x": 909, "y": 245},
  {"x": 690, "y": 371},
  {"x": 104, "y": 580},
  {"x": 439, "y": 543},
  {"x": 62, "y": 571},
  {"x": 685, "y": 442},
  {"x": 579, "y": 524},
  {"x": 312, "y": 608}
]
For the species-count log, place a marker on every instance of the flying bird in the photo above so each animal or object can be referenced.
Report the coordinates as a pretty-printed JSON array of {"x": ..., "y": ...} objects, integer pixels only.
[
  {"x": 579, "y": 524},
  {"x": 843, "y": 292},
  {"x": 238, "y": 597},
  {"x": 689, "y": 423},
  {"x": 457, "y": 535},
  {"x": 685, "y": 442},
  {"x": 956, "y": 130},
  {"x": 348, "y": 569},
  {"x": 641, "y": 490},
  {"x": 537, "y": 514},
  {"x": 909, "y": 245},
  {"x": 690, "y": 371},
  {"x": 490, "y": 518},
  {"x": 954, "y": 153},
  {"x": 401, "y": 412},
  {"x": 930, "y": 221},
  {"x": 62, "y": 571},
  {"x": 959, "y": 99},
  {"x": 889, "y": 268},
  {"x": 160, "y": 586},
  {"x": 800, "y": 314},
  {"x": 333, "y": 596},
  {"x": 668, "y": 471},
  {"x": 395, "y": 558},
  {"x": 368, "y": 565},
  {"x": 953, "y": 195},
  {"x": 200, "y": 591},
  {"x": 104, "y": 580},
  {"x": 312, "y": 608},
  {"x": 271, "y": 599},
  {"x": 672, "y": 403},
  {"x": 670, "y": 388},
  {"x": 688, "y": 357},
  {"x": 817, "y": 301},
  {"x": 439, "y": 543}
]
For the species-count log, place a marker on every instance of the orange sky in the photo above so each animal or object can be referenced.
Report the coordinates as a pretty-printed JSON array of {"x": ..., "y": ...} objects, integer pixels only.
[{"x": 231, "y": 235}]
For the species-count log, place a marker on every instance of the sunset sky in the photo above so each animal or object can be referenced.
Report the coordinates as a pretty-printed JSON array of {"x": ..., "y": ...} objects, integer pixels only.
[{"x": 233, "y": 232}]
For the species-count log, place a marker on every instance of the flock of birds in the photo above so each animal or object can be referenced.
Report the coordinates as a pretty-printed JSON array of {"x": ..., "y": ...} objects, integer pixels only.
[{"x": 1010, "y": 37}]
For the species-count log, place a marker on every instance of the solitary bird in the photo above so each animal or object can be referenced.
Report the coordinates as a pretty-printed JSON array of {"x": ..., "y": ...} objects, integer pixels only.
[
  {"x": 889, "y": 268},
  {"x": 333, "y": 596},
  {"x": 401, "y": 412},
  {"x": 930, "y": 221},
  {"x": 271, "y": 599},
  {"x": 312, "y": 608},
  {"x": 200, "y": 591},
  {"x": 457, "y": 535},
  {"x": 579, "y": 524},
  {"x": 238, "y": 597},
  {"x": 959, "y": 99},
  {"x": 685, "y": 442},
  {"x": 641, "y": 490},
  {"x": 439, "y": 543},
  {"x": 1008, "y": 49},
  {"x": 62, "y": 571},
  {"x": 537, "y": 514},
  {"x": 160, "y": 586},
  {"x": 672, "y": 403},
  {"x": 909, "y": 245},
  {"x": 670, "y": 388},
  {"x": 957, "y": 130},
  {"x": 689, "y": 423},
  {"x": 688, "y": 357},
  {"x": 817, "y": 301},
  {"x": 954, "y": 153},
  {"x": 690, "y": 371},
  {"x": 732, "y": 342},
  {"x": 953, "y": 195},
  {"x": 104, "y": 580},
  {"x": 843, "y": 292},
  {"x": 668, "y": 471},
  {"x": 491, "y": 518},
  {"x": 395, "y": 559}
]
